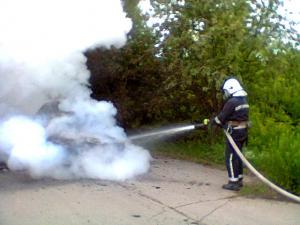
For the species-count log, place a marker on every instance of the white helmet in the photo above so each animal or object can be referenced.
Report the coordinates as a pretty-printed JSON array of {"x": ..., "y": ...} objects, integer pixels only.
[{"x": 232, "y": 87}]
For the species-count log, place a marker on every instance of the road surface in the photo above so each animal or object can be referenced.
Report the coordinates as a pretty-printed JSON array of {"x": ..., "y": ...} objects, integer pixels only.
[{"x": 174, "y": 192}]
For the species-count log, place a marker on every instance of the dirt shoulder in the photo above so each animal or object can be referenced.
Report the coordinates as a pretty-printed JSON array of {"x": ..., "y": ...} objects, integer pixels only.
[{"x": 173, "y": 192}]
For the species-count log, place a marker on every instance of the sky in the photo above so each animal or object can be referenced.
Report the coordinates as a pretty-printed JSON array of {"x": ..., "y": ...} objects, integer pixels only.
[{"x": 292, "y": 8}]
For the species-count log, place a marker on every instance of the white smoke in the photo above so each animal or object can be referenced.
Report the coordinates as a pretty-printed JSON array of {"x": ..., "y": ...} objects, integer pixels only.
[{"x": 42, "y": 61}]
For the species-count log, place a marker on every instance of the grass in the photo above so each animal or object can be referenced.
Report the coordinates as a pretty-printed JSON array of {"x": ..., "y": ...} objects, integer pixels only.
[
  {"x": 191, "y": 151},
  {"x": 258, "y": 189}
]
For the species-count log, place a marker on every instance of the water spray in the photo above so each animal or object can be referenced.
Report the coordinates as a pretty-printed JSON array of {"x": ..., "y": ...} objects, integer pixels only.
[
  {"x": 94, "y": 140},
  {"x": 168, "y": 131}
]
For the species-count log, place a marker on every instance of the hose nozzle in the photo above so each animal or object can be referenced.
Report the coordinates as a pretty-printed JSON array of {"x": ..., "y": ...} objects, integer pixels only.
[
  {"x": 202, "y": 125},
  {"x": 199, "y": 126}
]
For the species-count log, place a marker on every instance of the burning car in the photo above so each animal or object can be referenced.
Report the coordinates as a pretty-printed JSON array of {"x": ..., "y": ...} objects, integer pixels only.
[{"x": 65, "y": 129}]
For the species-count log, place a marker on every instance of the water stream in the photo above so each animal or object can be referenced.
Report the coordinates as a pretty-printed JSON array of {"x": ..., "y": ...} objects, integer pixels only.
[{"x": 162, "y": 132}]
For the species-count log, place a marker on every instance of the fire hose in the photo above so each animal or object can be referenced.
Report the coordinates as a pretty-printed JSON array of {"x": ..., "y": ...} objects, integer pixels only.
[{"x": 256, "y": 173}]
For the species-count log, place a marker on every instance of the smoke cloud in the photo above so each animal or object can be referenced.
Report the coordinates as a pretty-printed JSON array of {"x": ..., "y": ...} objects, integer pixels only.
[{"x": 42, "y": 66}]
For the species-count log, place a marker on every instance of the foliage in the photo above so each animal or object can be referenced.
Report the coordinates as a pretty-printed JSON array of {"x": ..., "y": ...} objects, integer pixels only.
[{"x": 128, "y": 76}]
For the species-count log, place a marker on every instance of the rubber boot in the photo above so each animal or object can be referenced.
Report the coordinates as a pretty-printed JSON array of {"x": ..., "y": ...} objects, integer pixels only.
[
  {"x": 240, "y": 182},
  {"x": 232, "y": 186}
]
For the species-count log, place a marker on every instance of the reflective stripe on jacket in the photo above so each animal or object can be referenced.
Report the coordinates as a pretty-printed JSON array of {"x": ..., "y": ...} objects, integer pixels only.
[{"x": 235, "y": 109}]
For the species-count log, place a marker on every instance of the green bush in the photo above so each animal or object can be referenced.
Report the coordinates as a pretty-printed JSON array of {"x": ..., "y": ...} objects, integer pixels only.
[{"x": 275, "y": 150}]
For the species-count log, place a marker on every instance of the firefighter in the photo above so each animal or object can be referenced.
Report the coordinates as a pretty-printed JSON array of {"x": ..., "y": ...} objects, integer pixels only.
[{"x": 234, "y": 118}]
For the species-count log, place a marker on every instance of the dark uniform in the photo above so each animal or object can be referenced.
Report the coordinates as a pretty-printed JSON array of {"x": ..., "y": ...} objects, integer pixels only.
[{"x": 234, "y": 118}]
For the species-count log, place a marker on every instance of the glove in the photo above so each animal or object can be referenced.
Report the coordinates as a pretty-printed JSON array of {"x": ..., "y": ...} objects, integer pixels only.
[{"x": 215, "y": 124}]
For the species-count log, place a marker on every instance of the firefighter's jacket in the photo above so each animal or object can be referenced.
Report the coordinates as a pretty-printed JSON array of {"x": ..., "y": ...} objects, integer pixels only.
[{"x": 235, "y": 111}]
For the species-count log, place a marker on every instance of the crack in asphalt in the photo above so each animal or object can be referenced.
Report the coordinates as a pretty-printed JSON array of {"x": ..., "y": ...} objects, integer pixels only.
[
  {"x": 214, "y": 210},
  {"x": 195, "y": 221},
  {"x": 174, "y": 209},
  {"x": 204, "y": 201}
]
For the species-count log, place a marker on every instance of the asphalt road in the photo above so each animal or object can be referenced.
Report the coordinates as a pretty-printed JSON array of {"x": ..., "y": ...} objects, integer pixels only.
[{"x": 172, "y": 193}]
